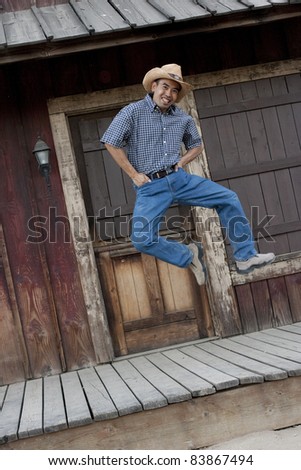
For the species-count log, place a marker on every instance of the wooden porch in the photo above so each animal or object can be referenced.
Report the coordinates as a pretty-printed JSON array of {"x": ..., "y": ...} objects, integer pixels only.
[{"x": 183, "y": 397}]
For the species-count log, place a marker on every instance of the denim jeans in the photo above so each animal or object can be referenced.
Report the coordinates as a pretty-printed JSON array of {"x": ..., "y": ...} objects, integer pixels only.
[{"x": 153, "y": 200}]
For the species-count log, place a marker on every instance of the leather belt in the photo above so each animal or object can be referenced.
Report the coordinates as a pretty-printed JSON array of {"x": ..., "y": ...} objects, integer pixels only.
[{"x": 161, "y": 173}]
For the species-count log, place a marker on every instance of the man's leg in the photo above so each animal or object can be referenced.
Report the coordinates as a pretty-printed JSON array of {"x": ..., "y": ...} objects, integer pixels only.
[
  {"x": 197, "y": 191},
  {"x": 153, "y": 200}
]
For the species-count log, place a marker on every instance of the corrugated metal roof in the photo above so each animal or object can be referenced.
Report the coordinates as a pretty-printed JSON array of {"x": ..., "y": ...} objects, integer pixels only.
[{"x": 81, "y": 18}]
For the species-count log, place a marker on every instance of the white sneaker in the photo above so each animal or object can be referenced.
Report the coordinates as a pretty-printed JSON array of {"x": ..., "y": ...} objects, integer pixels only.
[
  {"x": 257, "y": 261},
  {"x": 197, "y": 265}
]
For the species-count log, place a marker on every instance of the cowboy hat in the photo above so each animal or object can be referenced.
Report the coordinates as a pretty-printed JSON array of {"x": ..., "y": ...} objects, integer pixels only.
[{"x": 169, "y": 72}]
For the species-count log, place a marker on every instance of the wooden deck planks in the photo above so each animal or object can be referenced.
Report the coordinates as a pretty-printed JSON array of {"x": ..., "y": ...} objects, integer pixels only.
[
  {"x": 172, "y": 390},
  {"x": 244, "y": 376},
  {"x": 218, "y": 379},
  {"x": 197, "y": 386},
  {"x": 54, "y": 407},
  {"x": 230, "y": 352},
  {"x": 122, "y": 397},
  {"x": 250, "y": 347},
  {"x": 147, "y": 382},
  {"x": 31, "y": 423},
  {"x": 146, "y": 393},
  {"x": 10, "y": 413},
  {"x": 283, "y": 334},
  {"x": 77, "y": 409},
  {"x": 98, "y": 398},
  {"x": 281, "y": 343}
]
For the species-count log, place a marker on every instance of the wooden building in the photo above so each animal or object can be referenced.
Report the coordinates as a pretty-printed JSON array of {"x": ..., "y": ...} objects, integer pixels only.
[{"x": 74, "y": 292}]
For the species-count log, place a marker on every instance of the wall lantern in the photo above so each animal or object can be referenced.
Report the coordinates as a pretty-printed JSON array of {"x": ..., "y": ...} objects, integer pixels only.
[{"x": 41, "y": 151}]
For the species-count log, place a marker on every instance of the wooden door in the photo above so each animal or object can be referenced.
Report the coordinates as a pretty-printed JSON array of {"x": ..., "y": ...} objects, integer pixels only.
[
  {"x": 149, "y": 303},
  {"x": 252, "y": 135}
]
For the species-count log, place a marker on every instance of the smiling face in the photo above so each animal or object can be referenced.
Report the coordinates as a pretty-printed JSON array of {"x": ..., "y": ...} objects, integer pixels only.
[{"x": 165, "y": 93}]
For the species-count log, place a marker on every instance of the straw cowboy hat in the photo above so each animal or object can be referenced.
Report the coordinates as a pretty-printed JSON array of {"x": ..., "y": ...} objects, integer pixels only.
[{"x": 170, "y": 72}]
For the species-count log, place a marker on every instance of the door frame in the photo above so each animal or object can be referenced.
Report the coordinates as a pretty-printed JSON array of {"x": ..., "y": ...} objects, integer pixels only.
[{"x": 221, "y": 281}]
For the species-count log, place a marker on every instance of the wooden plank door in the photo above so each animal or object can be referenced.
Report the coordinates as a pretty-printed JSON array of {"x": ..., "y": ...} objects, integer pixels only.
[
  {"x": 252, "y": 135},
  {"x": 149, "y": 303}
]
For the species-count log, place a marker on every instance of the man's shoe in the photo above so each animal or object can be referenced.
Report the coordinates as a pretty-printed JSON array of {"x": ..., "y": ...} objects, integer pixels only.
[
  {"x": 257, "y": 261},
  {"x": 197, "y": 265}
]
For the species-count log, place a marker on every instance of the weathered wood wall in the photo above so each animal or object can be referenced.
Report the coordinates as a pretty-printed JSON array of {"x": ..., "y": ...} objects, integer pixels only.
[{"x": 48, "y": 311}]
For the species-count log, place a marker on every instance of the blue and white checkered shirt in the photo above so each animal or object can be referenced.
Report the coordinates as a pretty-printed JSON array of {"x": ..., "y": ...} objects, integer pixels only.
[{"x": 152, "y": 139}]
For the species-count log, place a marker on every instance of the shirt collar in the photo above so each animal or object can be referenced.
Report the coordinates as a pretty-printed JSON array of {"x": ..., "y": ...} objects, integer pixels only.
[{"x": 155, "y": 108}]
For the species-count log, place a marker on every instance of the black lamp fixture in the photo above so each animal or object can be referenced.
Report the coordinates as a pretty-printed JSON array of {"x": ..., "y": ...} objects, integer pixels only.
[{"x": 42, "y": 151}]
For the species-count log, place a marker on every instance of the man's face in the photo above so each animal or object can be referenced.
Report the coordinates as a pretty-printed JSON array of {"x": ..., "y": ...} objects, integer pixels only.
[{"x": 165, "y": 93}]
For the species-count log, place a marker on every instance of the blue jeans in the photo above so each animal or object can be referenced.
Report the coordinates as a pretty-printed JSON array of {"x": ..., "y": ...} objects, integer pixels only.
[{"x": 153, "y": 200}]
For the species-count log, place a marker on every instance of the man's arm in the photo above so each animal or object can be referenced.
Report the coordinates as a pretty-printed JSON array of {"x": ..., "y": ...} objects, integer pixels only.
[
  {"x": 190, "y": 155},
  {"x": 121, "y": 159}
]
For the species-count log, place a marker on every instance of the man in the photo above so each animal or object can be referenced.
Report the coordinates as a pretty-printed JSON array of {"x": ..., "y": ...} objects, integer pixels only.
[{"x": 153, "y": 131}]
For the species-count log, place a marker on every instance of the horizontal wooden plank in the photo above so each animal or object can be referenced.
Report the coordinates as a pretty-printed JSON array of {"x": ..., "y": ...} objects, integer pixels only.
[
  {"x": 288, "y": 264},
  {"x": 255, "y": 168},
  {"x": 155, "y": 321},
  {"x": 249, "y": 105}
]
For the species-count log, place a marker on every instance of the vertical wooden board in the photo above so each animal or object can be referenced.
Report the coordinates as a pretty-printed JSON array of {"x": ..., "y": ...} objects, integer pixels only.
[
  {"x": 152, "y": 281},
  {"x": 98, "y": 188},
  {"x": 280, "y": 302},
  {"x": 243, "y": 138},
  {"x": 273, "y": 133},
  {"x": 246, "y": 308},
  {"x": 31, "y": 422},
  {"x": 258, "y": 135},
  {"x": 166, "y": 286},
  {"x": 212, "y": 144},
  {"x": 77, "y": 409},
  {"x": 111, "y": 298},
  {"x": 115, "y": 180},
  {"x": 293, "y": 285},
  {"x": 145, "y": 282},
  {"x": 128, "y": 291},
  {"x": 10, "y": 413},
  {"x": 228, "y": 143},
  {"x": 11, "y": 360},
  {"x": 182, "y": 288},
  {"x": 54, "y": 408},
  {"x": 263, "y": 305},
  {"x": 98, "y": 398},
  {"x": 289, "y": 129},
  {"x": 126, "y": 288}
]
